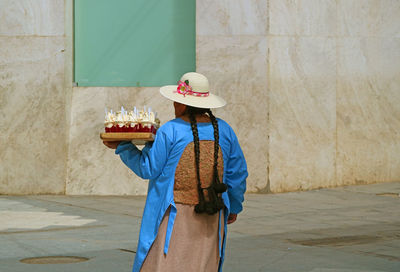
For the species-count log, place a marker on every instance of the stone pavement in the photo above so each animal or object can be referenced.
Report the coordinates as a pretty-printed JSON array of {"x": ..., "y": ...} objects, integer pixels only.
[{"x": 355, "y": 228}]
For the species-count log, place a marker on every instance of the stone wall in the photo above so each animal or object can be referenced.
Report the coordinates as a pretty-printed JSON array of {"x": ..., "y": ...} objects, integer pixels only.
[
  {"x": 313, "y": 91},
  {"x": 33, "y": 128},
  {"x": 334, "y": 88}
]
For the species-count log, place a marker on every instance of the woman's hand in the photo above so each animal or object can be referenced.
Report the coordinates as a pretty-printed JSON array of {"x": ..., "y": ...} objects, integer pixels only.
[
  {"x": 232, "y": 218},
  {"x": 112, "y": 145}
]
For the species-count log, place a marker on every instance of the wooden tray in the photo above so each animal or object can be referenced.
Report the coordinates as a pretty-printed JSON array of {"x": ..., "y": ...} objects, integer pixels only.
[{"x": 139, "y": 138}]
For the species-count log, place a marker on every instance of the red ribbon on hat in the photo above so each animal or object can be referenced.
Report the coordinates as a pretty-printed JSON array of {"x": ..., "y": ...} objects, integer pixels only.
[{"x": 185, "y": 89}]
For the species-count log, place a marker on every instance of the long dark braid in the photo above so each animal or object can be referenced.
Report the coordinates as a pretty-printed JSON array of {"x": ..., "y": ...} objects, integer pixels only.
[
  {"x": 199, "y": 208},
  {"x": 219, "y": 186},
  {"x": 215, "y": 202},
  {"x": 216, "y": 143}
]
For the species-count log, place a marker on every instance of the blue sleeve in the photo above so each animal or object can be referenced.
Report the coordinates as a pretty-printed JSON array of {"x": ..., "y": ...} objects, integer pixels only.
[
  {"x": 235, "y": 176},
  {"x": 149, "y": 162}
]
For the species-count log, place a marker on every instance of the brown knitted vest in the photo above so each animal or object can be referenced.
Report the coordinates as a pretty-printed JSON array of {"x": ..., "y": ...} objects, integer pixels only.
[{"x": 185, "y": 188}]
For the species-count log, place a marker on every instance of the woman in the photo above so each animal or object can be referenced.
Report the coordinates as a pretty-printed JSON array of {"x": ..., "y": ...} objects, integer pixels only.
[{"x": 197, "y": 175}]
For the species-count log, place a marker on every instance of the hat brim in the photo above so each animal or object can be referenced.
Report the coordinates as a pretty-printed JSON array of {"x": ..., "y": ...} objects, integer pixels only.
[{"x": 209, "y": 102}]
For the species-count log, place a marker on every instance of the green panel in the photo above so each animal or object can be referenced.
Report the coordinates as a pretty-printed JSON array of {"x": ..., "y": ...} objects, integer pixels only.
[{"x": 134, "y": 42}]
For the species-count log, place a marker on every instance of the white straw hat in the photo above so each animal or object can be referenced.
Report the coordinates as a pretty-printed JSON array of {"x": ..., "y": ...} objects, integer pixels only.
[{"x": 193, "y": 90}]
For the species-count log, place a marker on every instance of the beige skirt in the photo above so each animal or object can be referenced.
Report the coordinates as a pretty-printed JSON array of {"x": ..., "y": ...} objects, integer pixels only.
[{"x": 193, "y": 245}]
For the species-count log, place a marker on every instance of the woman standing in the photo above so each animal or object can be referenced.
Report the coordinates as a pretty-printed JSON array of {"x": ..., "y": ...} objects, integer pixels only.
[{"x": 197, "y": 175}]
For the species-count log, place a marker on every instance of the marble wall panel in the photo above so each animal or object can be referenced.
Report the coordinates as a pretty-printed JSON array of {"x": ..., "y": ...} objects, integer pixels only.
[
  {"x": 282, "y": 17},
  {"x": 302, "y": 17},
  {"x": 32, "y": 17},
  {"x": 302, "y": 113},
  {"x": 368, "y": 110},
  {"x": 32, "y": 115},
  {"x": 93, "y": 169},
  {"x": 237, "y": 70},
  {"x": 231, "y": 17},
  {"x": 369, "y": 18}
]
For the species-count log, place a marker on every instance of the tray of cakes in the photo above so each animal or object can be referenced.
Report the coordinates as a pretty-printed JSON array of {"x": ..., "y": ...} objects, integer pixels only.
[{"x": 138, "y": 126}]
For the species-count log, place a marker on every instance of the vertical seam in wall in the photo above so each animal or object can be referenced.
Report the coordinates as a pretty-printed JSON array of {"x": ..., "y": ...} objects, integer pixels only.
[
  {"x": 268, "y": 187},
  {"x": 66, "y": 99},
  {"x": 336, "y": 93},
  {"x": 68, "y": 74}
]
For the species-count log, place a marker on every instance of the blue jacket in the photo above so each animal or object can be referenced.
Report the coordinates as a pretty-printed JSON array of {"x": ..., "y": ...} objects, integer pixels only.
[{"x": 158, "y": 161}]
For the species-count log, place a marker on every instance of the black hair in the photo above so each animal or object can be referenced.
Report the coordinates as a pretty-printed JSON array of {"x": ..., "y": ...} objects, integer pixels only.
[{"x": 214, "y": 202}]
